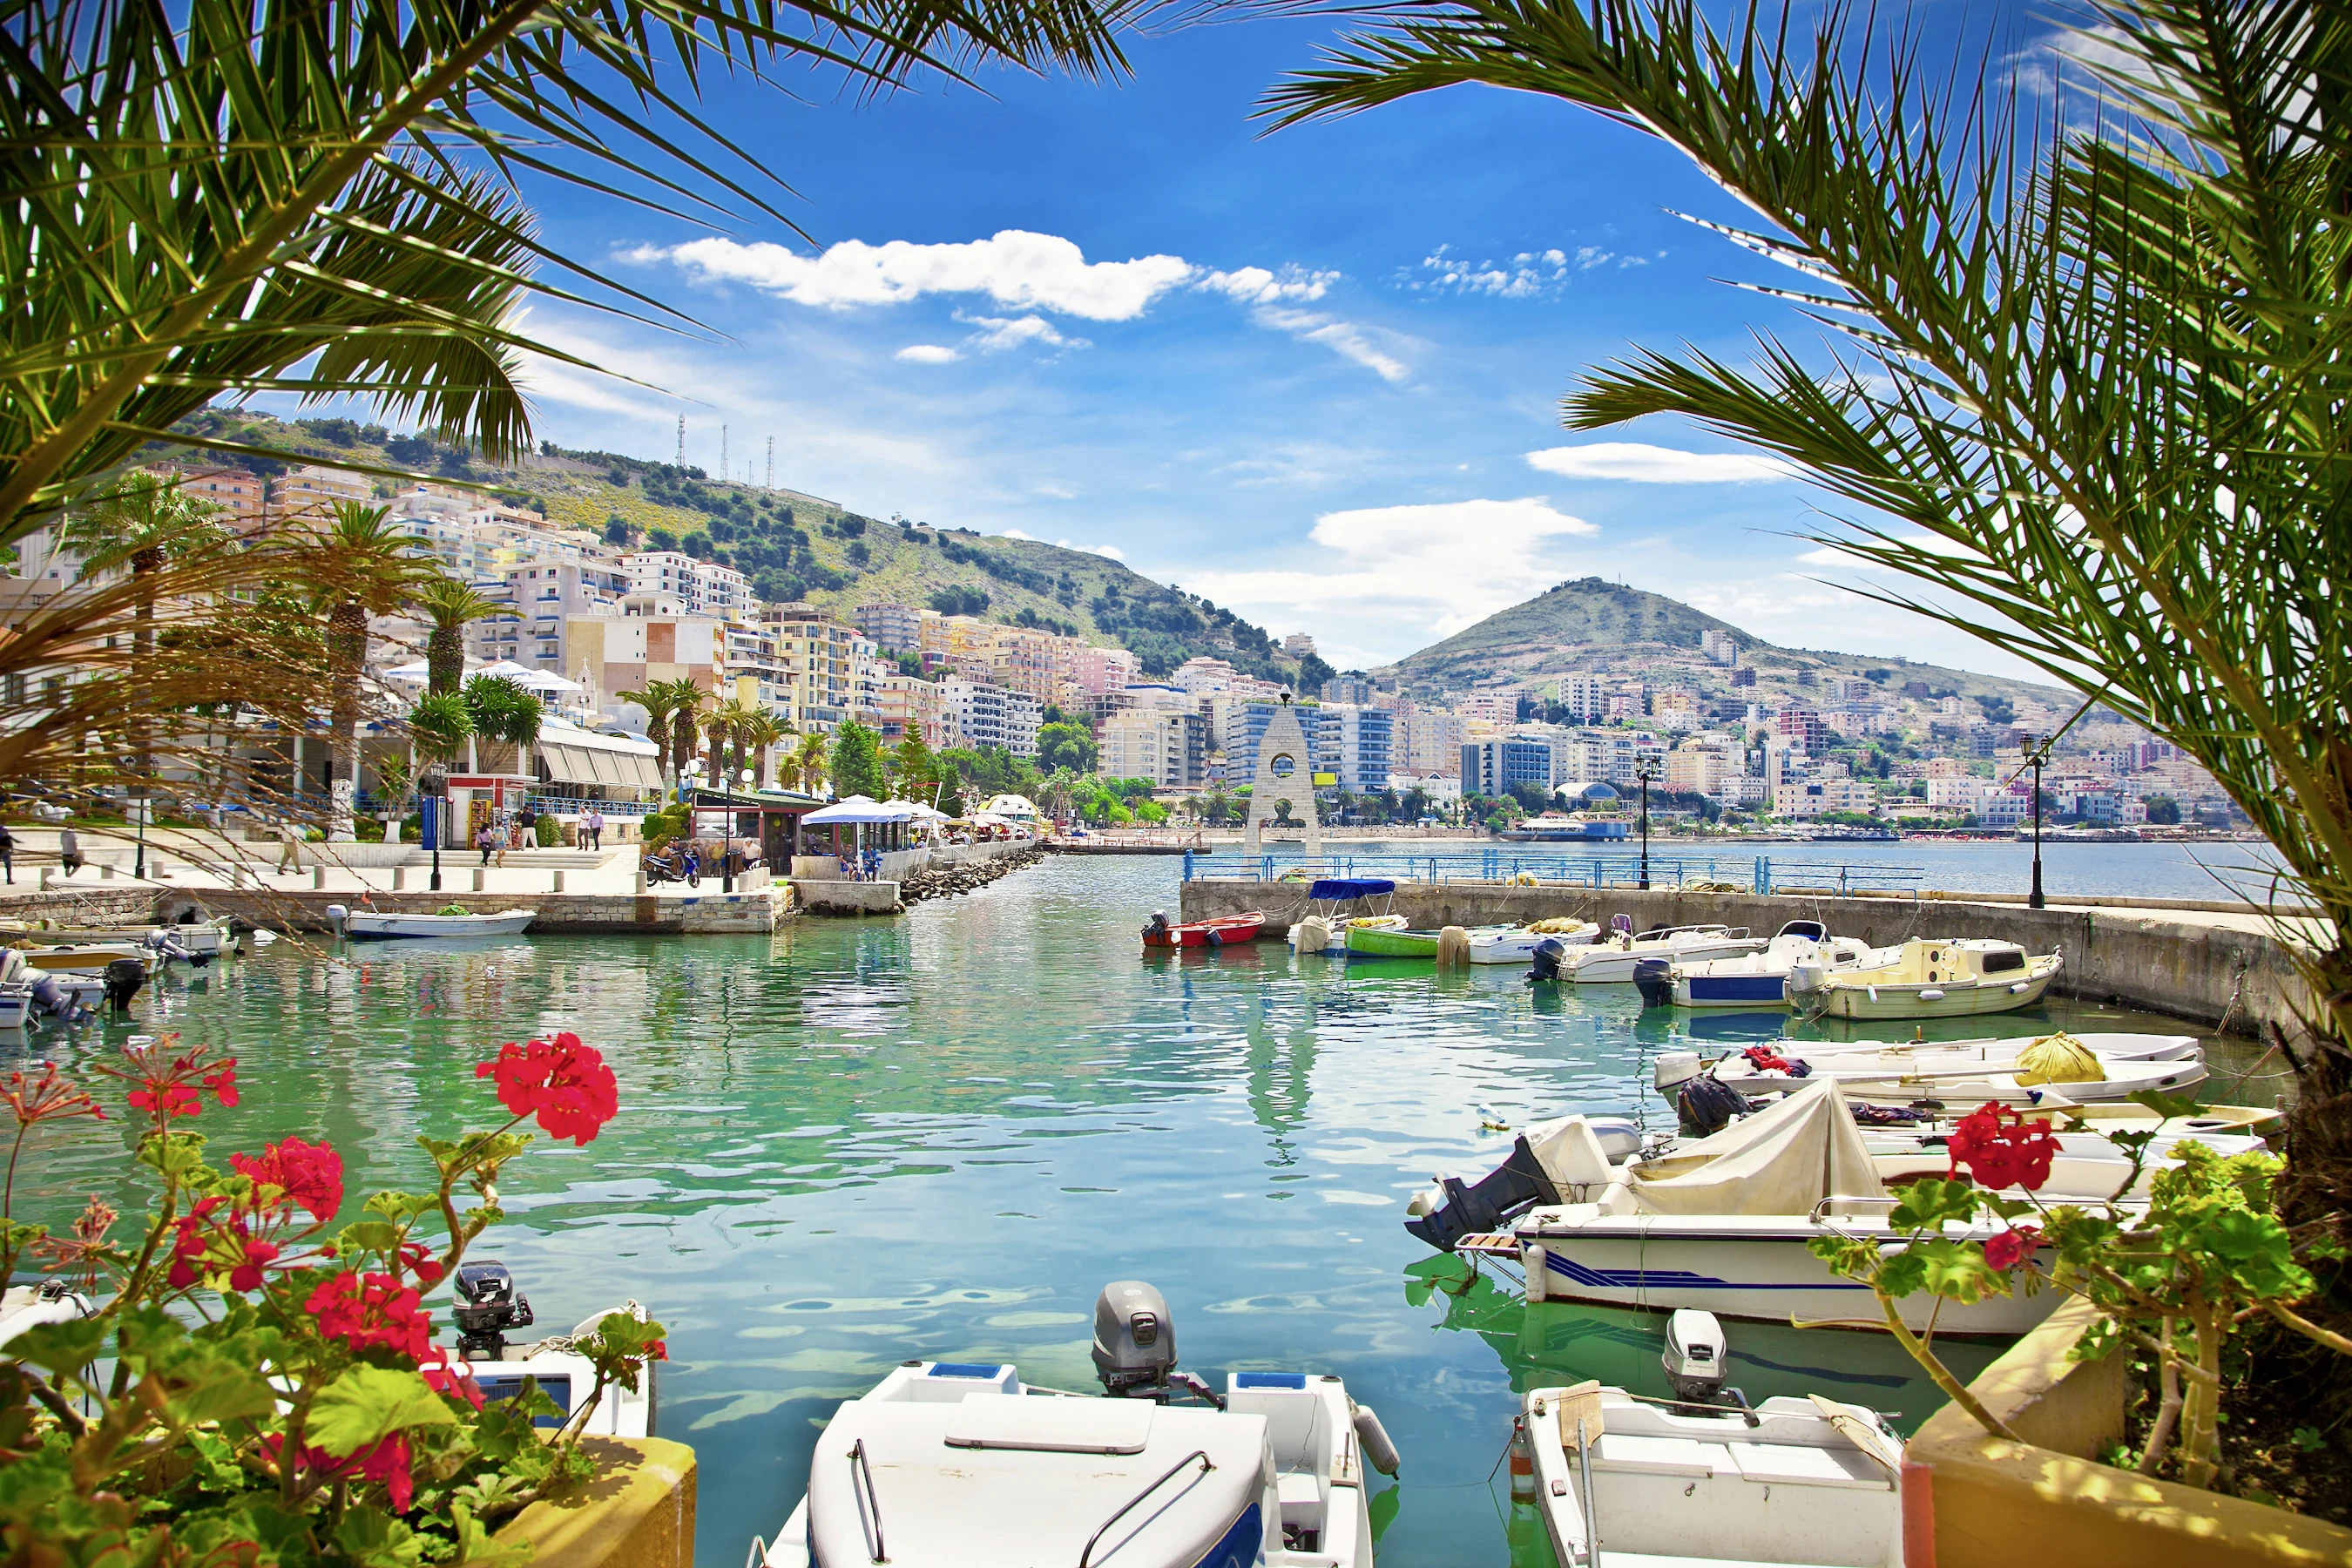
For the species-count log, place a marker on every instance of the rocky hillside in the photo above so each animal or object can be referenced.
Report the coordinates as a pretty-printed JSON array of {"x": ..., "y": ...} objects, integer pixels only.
[
  {"x": 1590, "y": 625},
  {"x": 801, "y": 547}
]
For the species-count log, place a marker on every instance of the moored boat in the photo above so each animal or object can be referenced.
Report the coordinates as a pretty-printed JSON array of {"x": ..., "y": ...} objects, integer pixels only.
[
  {"x": 1761, "y": 979},
  {"x": 1517, "y": 945},
  {"x": 370, "y": 925},
  {"x": 1370, "y": 940},
  {"x": 1928, "y": 977},
  {"x": 86, "y": 957},
  {"x": 1612, "y": 960},
  {"x": 1212, "y": 932}
]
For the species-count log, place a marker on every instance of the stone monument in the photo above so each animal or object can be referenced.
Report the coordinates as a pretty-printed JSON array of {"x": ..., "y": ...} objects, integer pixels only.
[{"x": 1286, "y": 776}]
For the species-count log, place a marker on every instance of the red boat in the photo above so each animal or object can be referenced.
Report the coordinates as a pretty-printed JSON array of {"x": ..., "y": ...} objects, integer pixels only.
[{"x": 1205, "y": 934}]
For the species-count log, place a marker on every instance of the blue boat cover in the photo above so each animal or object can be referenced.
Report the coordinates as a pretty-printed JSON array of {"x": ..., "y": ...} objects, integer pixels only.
[{"x": 1341, "y": 888}]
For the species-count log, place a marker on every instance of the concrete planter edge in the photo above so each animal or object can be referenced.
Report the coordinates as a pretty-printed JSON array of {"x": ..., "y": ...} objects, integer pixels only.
[{"x": 637, "y": 1513}]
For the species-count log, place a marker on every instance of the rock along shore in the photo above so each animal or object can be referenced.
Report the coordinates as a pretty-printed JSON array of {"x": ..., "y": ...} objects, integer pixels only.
[{"x": 947, "y": 881}]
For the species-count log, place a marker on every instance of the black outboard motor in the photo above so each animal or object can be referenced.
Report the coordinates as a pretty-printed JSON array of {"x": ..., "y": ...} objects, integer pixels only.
[
  {"x": 488, "y": 1305},
  {"x": 171, "y": 946},
  {"x": 1135, "y": 1346},
  {"x": 125, "y": 978},
  {"x": 1546, "y": 961},
  {"x": 1496, "y": 1199},
  {"x": 1157, "y": 925},
  {"x": 1653, "y": 978},
  {"x": 1707, "y": 1104},
  {"x": 50, "y": 999}
]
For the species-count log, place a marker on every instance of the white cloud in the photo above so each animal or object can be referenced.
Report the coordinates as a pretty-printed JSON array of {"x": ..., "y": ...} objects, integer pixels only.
[
  {"x": 1256, "y": 286},
  {"x": 998, "y": 333},
  {"x": 1110, "y": 550},
  {"x": 1633, "y": 461},
  {"x": 1345, "y": 339},
  {"x": 1525, "y": 275},
  {"x": 1016, "y": 533},
  {"x": 929, "y": 354},
  {"x": 1012, "y": 266},
  {"x": 1407, "y": 575}
]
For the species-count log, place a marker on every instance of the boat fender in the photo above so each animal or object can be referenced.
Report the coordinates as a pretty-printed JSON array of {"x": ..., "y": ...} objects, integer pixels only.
[
  {"x": 1930, "y": 995},
  {"x": 1215, "y": 939},
  {"x": 1537, "y": 1264},
  {"x": 1374, "y": 1439}
]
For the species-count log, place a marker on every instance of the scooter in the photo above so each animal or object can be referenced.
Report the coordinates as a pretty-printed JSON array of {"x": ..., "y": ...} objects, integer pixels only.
[{"x": 686, "y": 868}]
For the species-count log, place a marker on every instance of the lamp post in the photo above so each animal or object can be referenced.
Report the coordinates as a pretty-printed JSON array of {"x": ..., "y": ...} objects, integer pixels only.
[
  {"x": 2040, "y": 755},
  {"x": 1646, "y": 768},
  {"x": 139, "y": 864},
  {"x": 434, "y": 794}
]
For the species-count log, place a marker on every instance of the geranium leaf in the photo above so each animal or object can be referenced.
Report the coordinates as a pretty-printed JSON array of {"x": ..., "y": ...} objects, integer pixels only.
[
  {"x": 61, "y": 1347},
  {"x": 367, "y": 1403}
]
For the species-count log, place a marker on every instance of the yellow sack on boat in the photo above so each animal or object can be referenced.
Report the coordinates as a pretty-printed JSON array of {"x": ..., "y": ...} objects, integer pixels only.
[
  {"x": 2059, "y": 1058},
  {"x": 1559, "y": 925}
]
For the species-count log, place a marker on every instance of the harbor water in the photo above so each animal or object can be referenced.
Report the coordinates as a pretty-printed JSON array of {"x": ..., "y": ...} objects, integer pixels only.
[{"x": 855, "y": 1143}]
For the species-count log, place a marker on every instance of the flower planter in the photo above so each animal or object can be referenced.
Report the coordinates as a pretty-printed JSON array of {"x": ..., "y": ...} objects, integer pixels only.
[
  {"x": 1974, "y": 1500},
  {"x": 637, "y": 1513}
]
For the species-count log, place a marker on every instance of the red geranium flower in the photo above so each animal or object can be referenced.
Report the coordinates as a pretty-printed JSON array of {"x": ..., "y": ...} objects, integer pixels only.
[
  {"x": 564, "y": 1083},
  {"x": 222, "y": 1082},
  {"x": 363, "y": 1309},
  {"x": 386, "y": 1460},
  {"x": 304, "y": 1175},
  {"x": 2000, "y": 1148},
  {"x": 201, "y": 1245},
  {"x": 164, "y": 1089},
  {"x": 2011, "y": 1247},
  {"x": 46, "y": 1098},
  {"x": 443, "y": 1376}
]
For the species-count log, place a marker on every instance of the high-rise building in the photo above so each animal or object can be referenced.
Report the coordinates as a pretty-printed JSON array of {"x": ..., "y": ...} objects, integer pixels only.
[
  {"x": 981, "y": 714},
  {"x": 1492, "y": 767},
  {"x": 705, "y": 587},
  {"x": 893, "y": 628},
  {"x": 1246, "y": 723},
  {"x": 1354, "y": 687},
  {"x": 1170, "y": 749},
  {"x": 1365, "y": 741},
  {"x": 1720, "y": 646},
  {"x": 1583, "y": 696},
  {"x": 1433, "y": 741}
]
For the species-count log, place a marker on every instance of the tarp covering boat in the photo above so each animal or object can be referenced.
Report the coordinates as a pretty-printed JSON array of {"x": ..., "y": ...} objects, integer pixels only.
[
  {"x": 1783, "y": 1160},
  {"x": 1350, "y": 888}
]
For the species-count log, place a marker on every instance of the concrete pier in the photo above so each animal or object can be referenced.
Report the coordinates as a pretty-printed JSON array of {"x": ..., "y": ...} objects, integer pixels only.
[
  {"x": 710, "y": 912},
  {"x": 2225, "y": 971}
]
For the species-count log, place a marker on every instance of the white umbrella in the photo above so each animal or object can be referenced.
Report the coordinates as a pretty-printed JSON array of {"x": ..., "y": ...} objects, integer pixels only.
[
  {"x": 916, "y": 809},
  {"x": 524, "y": 676},
  {"x": 859, "y": 808}
]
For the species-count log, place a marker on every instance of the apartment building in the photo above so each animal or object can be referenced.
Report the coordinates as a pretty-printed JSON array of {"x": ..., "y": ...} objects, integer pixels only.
[
  {"x": 1245, "y": 722},
  {"x": 613, "y": 653},
  {"x": 1433, "y": 742},
  {"x": 1812, "y": 797},
  {"x": 1720, "y": 648},
  {"x": 1702, "y": 765},
  {"x": 981, "y": 714},
  {"x": 1364, "y": 739},
  {"x": 706, "y": 587},
  {"x": 910, "y": 706},
  {"x": 826, "y": 663},
  {"x": 1352, "y": 687},
  {"x": 893, "y": 628},
  {"x": 310, "y": 494},
  {"x": 544, "y": 601},
  {"x": 237, "y": 495},
  {"x": 1170, "y": 749},
  {"x": 1492, "y": 767},
  {"x": 1583, "y": 696},
  {"x": 1803, "y": 727},
  {"x": 1102, "y": 670}
]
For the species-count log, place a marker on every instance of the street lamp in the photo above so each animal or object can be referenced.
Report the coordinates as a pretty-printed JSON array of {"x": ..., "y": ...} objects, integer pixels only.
[
  {"x": 2039, "y": 755},
  {"x": 433, "y": 820},
  {"x": 1646, "y": 768}
]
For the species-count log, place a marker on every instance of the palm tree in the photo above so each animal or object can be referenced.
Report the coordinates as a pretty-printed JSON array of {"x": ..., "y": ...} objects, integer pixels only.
[
  {"x": 504, "y": 710},
  {"x": 366, "y": 566},
  {"x": 451, "y": 606},
  {"x": 759, "y": 734},
  {"x": 809, "y": 763},
  {"x": 686, "y": 698},
  {"x": 733, "y": 720},
  {"x": 659, "y": 700}
]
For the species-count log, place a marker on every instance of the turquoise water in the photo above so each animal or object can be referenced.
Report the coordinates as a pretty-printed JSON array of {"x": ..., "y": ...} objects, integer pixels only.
[{"x": 859, "y": 1142}]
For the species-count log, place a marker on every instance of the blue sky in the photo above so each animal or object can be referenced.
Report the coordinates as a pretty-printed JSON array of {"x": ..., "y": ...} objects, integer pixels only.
[{"x": 1313, "y": 375}]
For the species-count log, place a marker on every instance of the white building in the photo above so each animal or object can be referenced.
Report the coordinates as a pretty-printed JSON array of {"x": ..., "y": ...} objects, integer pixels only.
[
  {"x": 1583, "y": 698},
  {"x": 980, "y": 714},
  {"x": 1169, "y": 748},
  {"x": 1720, "y": 646},
  {"x": 1365, "y": 741},
  {"x": 706, "y": 587}
]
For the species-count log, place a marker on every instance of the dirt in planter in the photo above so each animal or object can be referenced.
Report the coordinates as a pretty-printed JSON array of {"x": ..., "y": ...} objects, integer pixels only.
[{"x": 2285, "y": 1440}]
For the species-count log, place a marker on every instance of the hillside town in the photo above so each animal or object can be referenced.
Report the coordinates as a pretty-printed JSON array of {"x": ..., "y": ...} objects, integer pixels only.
[{"x": 583, "y": 620}]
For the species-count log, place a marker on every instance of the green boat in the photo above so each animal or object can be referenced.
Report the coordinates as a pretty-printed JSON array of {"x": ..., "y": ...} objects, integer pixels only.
[{"x": 1391, "y": 942}]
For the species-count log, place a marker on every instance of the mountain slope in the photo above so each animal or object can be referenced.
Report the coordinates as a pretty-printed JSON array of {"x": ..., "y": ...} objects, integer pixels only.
[
  {"x": 1590, "y": 625},
  {"x": 801, "y": 547}
]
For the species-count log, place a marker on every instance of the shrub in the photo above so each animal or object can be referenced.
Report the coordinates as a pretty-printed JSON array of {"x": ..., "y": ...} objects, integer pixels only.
[{"x": 549, "y": 831}]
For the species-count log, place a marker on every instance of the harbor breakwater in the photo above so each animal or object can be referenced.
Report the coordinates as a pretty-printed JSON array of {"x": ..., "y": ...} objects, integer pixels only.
[{"x": 2228, "y": 974}]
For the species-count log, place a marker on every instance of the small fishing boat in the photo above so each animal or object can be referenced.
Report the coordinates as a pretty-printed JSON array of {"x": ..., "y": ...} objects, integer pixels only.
[
  {"x": 1612, "y": 960},
  {"x": 1621, "y": 1479},
  {"x": 1967, "y": 1083},
  {"x": 1761, "y": 979},
  {"x": 1335, "y": 903},
  {"x": 1517, "y": 945},
  {"x": 962, "y": 1465},
  {"x": 370, "y": 925},
  {"x": 1928, "y": 977},
  {"x": 1369, "y": 940},
  {"x": 86, "y": 957},
  {"x": 1212, "y": 932}
]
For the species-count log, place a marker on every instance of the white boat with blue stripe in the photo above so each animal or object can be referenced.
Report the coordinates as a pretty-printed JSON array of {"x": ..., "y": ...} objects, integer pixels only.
[
  {"x": 1761, "y": 980},
  {"x": 961, "y": 1465}
]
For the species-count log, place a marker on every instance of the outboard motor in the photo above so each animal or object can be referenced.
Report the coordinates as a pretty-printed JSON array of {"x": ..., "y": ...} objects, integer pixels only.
[
  {"x": 1695, "y": 1356},
  {"x": 171, "y": 946},
  {"x": 1707, "y": 1104},
  {"x": 1135, "y": 1346},
  {"x": 1655, "y": 979},
  {"x": 125, "y": 978},
  {"x": 1157, "y": 925},
  {"x": 50, "y": 999},
  {"x": 1546, "y": 961},
  {"x": 488, "y": 1305},
  {"x": 1496, "y": 1199}
]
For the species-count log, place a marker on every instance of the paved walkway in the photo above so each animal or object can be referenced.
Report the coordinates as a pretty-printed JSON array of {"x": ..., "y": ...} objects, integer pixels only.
[{"x": 195, "y": 861}]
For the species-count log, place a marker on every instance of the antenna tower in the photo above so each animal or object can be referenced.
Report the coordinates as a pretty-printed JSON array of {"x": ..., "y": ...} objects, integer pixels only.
[
  {"x": 681, "y": 440},
  {"x": 771, "y": 462},
  {"x": 723, "y": 475}
]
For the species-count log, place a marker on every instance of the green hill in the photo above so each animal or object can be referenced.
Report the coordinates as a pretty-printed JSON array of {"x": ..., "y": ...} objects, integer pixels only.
[
  {"x": 1596, "y": 627},
  {"x": 801, "y": 547}
]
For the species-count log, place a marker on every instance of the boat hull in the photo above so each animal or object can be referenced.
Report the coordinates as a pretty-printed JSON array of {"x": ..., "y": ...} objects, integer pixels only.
[
  {"x": 88, "y": 958},
  {"x": 1958, "y": 1086},
  {"x": 1225, "y": 929},
  {"x": 1742, "y": 1267},
  {"x": 1854, "y": 998},
  {"x": 1519, "y": 946},
  {"x": 1746, "y": 991},
  {"x": 1375, "y": 941},
  {"x": 409, "y": 928},
  {"x": 1615, "y": 967}
]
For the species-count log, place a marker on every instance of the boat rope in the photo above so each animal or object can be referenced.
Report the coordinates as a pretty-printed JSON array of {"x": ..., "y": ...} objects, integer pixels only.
[{"x": 570, "y": 1344}]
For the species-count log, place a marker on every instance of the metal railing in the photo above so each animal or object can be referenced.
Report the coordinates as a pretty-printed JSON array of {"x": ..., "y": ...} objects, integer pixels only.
[
  {"x": 1617, "y": 868},
  {"x": 572, "y": 804}
]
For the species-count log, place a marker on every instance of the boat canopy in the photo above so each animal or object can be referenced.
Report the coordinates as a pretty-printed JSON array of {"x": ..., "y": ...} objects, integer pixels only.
[
  {"x": 1343, "y": 887},
  {"x": 859, "y": 808},
  {"x": 1781, "y": 1160}
]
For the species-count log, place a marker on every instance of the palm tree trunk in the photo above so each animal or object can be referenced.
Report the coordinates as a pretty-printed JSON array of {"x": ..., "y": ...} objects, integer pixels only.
[
  {"x": 347, "y": 647},
  {"x": 445, "y": 659}
]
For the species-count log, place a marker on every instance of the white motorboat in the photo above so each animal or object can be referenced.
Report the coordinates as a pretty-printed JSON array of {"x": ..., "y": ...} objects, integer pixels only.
[
  {"x": 1622, "y": 1480},
  {"x": 488, "y": 1305},
  {"x": 1761, "y": 979},
  {"x": 2122, "y": 1045},
  {"x": 1611, "y": 959},
  {"x": 369, "y": 925},
  {"x": 1517, "y": 945},
  {"x": 196, "y": 942},
  {"x": 85, "y": 957},
  {"x": 1928, "y": 977},
  {"x": 1961, "y": 1082},
  {"x": 948, "y": 1465}
]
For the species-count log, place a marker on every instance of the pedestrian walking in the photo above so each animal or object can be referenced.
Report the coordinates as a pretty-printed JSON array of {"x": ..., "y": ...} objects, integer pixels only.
[
  {"x": 289, "y": 848},
  {"x": 8, "y": 853},
  {"x": 487, "y": 841},
  {"x": 594, "y": 823},
  {"x": 526, "y": 828},
  {"x": 68, "y": 851}
]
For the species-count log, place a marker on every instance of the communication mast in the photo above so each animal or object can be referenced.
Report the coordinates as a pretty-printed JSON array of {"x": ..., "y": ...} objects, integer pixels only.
[
  {"x": 771, "y": 462},
  {"x": 681, "y": 441}
]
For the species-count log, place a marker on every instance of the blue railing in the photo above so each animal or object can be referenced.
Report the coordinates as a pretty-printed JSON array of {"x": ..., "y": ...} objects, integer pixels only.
[
  {"x": 572, "y": 805},
  {"x": 1755, "y": 873}
]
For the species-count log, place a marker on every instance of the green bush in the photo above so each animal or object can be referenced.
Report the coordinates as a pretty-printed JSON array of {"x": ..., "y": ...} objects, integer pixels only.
[
  {"x": 550, "y": 832},
  {"x": 664, "y": 826}
]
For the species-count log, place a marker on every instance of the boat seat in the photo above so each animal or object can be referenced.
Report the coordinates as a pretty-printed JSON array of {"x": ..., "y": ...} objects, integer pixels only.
[
  {"x": 1808, "y": 1466},
  {"x": 1660, "y": 1455},
  {"x": 1301, "y": 1495}
]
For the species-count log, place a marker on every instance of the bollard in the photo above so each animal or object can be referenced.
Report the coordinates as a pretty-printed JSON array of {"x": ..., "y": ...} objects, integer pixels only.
[
  {"x": 44, "y": 880},
  {"x": 478, "y": 875},
  {"x": 318, "y": 876},
  {"x": 641, "y": 881},
  {"x": 399, "y": 878},
  {"x": 558, "y": 881},
  {"x": 105, "y": 872}
]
